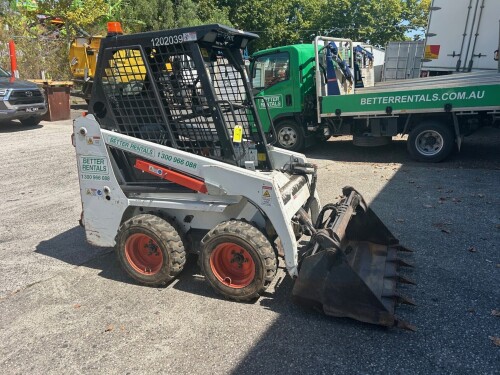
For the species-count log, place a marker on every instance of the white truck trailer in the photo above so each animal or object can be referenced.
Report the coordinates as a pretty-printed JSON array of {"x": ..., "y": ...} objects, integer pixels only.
[{"x": 462, "y": 36}]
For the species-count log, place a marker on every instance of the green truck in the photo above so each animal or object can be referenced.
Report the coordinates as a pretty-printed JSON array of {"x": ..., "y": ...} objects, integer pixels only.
[{"x": 314, "y": 91}]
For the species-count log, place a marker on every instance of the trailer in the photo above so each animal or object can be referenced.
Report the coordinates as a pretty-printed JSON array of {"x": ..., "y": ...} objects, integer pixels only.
[
  {"x": 468, "y": 43},
  {"x": 318, "y": 96}
]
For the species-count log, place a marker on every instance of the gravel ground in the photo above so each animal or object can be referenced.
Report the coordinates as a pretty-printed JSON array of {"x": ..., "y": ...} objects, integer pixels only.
[{"x": 66, "y": 306}]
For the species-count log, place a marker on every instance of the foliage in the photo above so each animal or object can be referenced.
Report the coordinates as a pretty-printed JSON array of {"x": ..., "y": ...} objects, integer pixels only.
[
  {"x": 34, "y": 53},
  {"x": 417, "y": 14},
  {"x": 147, "y": 15},
  {"x": 44, "y": 45},
  {"x": 277, "y": 22},
  {"x": 291, "y": 21},
  {"x": 80, "y": 13}
]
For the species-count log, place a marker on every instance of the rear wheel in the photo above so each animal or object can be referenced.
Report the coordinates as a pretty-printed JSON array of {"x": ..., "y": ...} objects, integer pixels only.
[
  {"x": 430, "y": 141},
  {"x": 150, "y": 250},
  {"x": 237, "y": 260},
  {"x": 290, "y": 136},
  {"x": 31, "y": 121}
]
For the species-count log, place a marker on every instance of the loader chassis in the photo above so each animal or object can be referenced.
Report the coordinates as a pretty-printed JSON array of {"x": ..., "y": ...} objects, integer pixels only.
[{"x": 172, "y": 159}]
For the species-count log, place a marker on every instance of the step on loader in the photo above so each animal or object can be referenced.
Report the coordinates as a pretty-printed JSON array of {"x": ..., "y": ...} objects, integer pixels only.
[{"x": 172, "y": 160}]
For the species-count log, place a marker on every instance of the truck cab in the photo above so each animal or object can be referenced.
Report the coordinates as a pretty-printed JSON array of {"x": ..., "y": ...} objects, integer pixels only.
[{"x": 283, "y": 83}]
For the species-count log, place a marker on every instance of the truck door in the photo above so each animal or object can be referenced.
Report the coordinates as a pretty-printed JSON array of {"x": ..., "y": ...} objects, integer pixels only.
[{"x": 272, "y": 79}]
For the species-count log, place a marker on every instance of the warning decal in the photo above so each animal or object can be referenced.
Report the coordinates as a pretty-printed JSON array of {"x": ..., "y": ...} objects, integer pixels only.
[{"x": 266, "y": 195}]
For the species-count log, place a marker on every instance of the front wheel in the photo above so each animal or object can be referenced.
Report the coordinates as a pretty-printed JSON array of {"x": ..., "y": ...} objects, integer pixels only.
[
  {"x": 150, "y": 250},
  {"x": 430, "y": 141},
  {"x": 237, "y": 260},
  {"x": 31, "y": 121},
  {"x": 290, "y": 136}
]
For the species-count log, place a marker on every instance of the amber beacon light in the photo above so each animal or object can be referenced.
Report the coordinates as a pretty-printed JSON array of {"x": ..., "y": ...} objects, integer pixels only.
[{"x": 114, "y": 28}]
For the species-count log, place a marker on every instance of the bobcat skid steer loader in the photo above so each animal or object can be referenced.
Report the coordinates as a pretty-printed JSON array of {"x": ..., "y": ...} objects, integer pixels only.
[{"x": 172, "y": 159}]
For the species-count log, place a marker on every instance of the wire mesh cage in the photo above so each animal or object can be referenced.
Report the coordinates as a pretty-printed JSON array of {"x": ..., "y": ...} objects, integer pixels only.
[{"x": 191, "y": 96}]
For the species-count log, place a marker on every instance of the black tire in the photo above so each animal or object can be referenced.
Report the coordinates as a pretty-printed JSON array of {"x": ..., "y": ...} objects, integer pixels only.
[
  {"x": 160, "y": 239},
  {"x": 31, "y": 121},
  {"x": 430, "y": 141},
  {"x": 253, "y": 261},
  {"x": 290, "y": 136}
]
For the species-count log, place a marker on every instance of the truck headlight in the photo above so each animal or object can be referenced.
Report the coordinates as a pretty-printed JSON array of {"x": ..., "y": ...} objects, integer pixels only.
[{"x": 3, "y": 92}]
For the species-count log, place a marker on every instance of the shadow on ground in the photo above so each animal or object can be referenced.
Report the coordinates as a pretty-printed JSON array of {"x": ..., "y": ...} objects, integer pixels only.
[
  {"x": 15, "y": 126},
  {"x": 479, "y": 150},
  {"x": 72, "y": 248}
]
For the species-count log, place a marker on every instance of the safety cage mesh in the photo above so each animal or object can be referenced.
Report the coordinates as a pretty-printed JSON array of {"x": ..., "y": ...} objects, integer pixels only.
[{"x": 161, "y": 95}]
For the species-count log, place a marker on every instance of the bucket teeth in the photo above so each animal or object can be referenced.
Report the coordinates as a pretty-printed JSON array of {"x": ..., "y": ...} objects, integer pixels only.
[
  {"x": 392, "y": 258},
  {"x": 401, "y": 263},
  {"x": 404, "y": 263},
  {"x": 399, "y": 278},
  {"x": 398, "y": 297},
  {"x": 402, "y": 249},
  {"x": 404, "y": 325},
  {"x": 405, "y": 280}
]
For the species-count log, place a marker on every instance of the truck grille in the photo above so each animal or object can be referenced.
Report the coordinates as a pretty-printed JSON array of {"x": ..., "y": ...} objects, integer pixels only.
[{"x": 18, "y": 97}]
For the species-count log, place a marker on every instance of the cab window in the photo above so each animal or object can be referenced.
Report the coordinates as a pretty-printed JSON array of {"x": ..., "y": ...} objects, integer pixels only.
[{"x": 269, "y": 70}]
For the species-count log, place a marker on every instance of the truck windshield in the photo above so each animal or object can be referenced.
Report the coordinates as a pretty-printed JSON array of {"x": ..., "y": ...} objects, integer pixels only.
[
  {"x": 270, "y": 69},
  {"x": 3, "y": 73}
]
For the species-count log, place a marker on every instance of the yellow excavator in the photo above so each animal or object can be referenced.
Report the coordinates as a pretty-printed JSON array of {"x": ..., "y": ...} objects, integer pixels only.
[{"x": 83, "y": 55}]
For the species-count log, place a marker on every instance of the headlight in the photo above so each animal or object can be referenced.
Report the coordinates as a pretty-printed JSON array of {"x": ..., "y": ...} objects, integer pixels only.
[{"x": 3, "y": 92}]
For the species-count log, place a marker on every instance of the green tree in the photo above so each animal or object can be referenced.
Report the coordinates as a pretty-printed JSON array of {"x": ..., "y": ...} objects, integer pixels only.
[
  {"x": 277, "y": 22},
  {"x": 82, "y": 13},
  {"x": 417, "y": 15},
  {"x": 291, "y": 21},
  {"x": 147, "y": 15},
  {"x": 35, "y": 51}
]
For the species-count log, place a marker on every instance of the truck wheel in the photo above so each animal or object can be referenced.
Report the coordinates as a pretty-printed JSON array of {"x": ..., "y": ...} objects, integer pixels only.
[
  {"x": 31, "y": 121},
  {"x": 237, "y": 260},
  {"x": 150, "y": 250},
  {"x": 290, "y": 136},
  {"x": 430, "y": 141}
]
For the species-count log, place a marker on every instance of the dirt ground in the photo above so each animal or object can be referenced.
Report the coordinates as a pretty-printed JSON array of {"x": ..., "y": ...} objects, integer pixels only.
[{"x": 66, "y": 306}]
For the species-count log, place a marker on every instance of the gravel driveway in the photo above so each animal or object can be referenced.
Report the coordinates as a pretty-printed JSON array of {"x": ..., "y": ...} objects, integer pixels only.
[{"x": 66, "y": 306}]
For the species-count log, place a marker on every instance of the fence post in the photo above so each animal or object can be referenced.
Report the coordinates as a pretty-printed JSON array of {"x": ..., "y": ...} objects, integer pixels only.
[{"x": 13, "y": 59}]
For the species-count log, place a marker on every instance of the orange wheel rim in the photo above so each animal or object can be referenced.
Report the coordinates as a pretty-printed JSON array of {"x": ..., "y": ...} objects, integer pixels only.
[
  {"x": 232, "y": 265},
  {"x": 143, "y": 254}
]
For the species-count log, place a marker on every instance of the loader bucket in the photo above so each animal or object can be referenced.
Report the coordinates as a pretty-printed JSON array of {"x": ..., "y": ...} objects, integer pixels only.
[{"x": 352, "y": 269}]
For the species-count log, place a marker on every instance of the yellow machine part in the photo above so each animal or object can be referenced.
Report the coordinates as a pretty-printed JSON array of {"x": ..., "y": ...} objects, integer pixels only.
[
  {"x": 83, "y": 53},
  {"x": 129, "y": 66},
  {"x": 83, "y": 56}
]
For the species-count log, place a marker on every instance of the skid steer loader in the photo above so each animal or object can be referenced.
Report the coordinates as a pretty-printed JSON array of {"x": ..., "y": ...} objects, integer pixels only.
[{"x": 172, "y": 159}]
